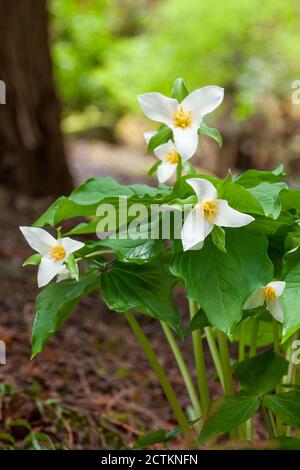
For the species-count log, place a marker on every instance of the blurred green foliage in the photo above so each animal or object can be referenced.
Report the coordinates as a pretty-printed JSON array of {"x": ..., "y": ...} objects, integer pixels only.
[{"x": 107, "y": 51}]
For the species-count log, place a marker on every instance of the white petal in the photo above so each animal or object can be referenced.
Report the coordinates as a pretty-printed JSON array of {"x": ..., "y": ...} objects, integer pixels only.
[
  {"x": 148, "y": 136},
  {"x": 165, "y": 171},
  {"x": 255, "y": 300},
  {"x": 203, "y": 101},
  {"x": 228, "y": 217},
  {"x": 278, "y": 286},
  {"x": 63, "y": 274},
  {"x": 186, "y": 141},
  {"x": 48, "y": 269},
  {"x": 40, "y": 240},
  {"x": 70, "y": 245},
  {"x": 159, "y": 107},
  {"x": 162, "y": 150},
  {"x": 195, "y": 229},
  {"x": 276, "y": 310},
  {"x": 203, "y": 188}
]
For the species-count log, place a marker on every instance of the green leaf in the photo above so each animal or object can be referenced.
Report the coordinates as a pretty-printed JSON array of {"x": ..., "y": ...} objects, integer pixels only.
[
  {"x": 227, "y": 413},
  {"x": 260, "y": 374},
  {"x": 179, "y": 91},
  {"x": 198, "y": 321},
  {"x": 210, "y": 132},
  {"x": 149, "y": 439},
  {"x": 33, "y": 260},
  {"x": 291, "y": 294},
  {"x": 72, "y": 267},
  {"x": 252, "y": 178},
  {"x": 162, "y": 136},
  {"x": 269, "y": 197},
  {"x": 146, "y": 288},
  {"x": 290, "y": 200},
  {"x": 154, "y": 167},
  {"x": 221, "y": 282},
  {"x": 239, "y": 198},
  {"x": 264, "y": 334},
  {"x": 283, "y": 443},
  {"x": 55, "y": 303},
  {"x": 218, "y": 238},
  {"x": 137, "y": 251},
  {"x": 286, "y": 406}
]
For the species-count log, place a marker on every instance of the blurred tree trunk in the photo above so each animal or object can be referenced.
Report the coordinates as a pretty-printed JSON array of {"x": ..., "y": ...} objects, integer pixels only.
[{"x": 32, "y": 158}]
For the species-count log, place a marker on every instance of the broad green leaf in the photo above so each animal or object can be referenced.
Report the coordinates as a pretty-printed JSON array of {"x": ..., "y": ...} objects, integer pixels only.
[
  {"x": 239, "y": 198},
  {"x": 210, "y": 132},
  {"x": 260, "y": 374},
  {"x": 291, "y": 294},
  {"x": 198, "y": 321},
  {"x": 72, "y": 267},
  {"x": 269, "y": 197},
  {"x": 179, "y": 91},
  {"x": 162, "y": 136},
  {"x": 149, "y": 439},
  {"x": 290, "y": 200},
  {"x": 134, "y": 251},
  {"x": 269, "y": 227},
  {"x": 55, "y": 303},
  {"x": 218, "y": 238},
  {"x": 227, "y": 413},
  {"x": 286, "y": 406},
  {"x": 252, "y": 178},
  {"x": 264, "y": 334},
  {"x": 33, "y": 260},
  {"x": 221, "y": 282},
  {"x": 145, "y": 288}
]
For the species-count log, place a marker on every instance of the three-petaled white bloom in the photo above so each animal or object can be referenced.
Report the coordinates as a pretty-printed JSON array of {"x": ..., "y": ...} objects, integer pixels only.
[
  {"x": 169, "y": 157},
  {"x": 268, "y": 295},
  {"x": 208, "y": 212},
  {"x": 54, "y": 252},
  {"x": 183, "y": 118}
]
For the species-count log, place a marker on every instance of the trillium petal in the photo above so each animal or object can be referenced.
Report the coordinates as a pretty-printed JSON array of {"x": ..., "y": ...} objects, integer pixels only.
[
  {"x": 162, "y": 150},
  {"x": 255, "y": 300},
  {"x": 186, "y": 141},
  {"x": 226, "y": 216},
  {"x": 48, "y": 269},
  {"x": 195, "y": 229},
  {"x": 165, "y": 171},
  {"x": 278, "y": 287},
  {"x": 148, "y": 136},
  {"x": 159, "y": 107},
  {"x": 63, "y": 274},
  {"x": 203, "y": 101},
  {"x": 71, "y": 245},
  {"x": 275, "y": 308},
  {"x": 204, "y": 189},
  {"x": 40, "y": 240}
]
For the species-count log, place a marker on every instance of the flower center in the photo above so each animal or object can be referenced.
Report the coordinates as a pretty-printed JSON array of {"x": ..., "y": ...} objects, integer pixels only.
[
  {"x": 182, "y": 119},
  {"x": 172, "y": 156},
  {"x": 210, "y": 208},
  {"x": 269, "y": 293},
  {"x": 57, "y": 253}
]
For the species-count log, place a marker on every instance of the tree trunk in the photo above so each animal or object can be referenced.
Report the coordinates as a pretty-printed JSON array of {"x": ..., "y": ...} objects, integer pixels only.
[{"x": 32, "y": 158}]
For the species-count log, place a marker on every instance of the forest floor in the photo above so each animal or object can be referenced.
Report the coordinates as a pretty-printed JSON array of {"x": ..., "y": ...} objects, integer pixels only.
[{"x": 92, "y": 387}]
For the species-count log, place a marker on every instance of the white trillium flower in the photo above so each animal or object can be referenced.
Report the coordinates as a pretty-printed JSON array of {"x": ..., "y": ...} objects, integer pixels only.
[
  {"x": 208, "y": 212},
  {"x": 168, "y": 155},
  {"x": 63, "y": 274},
  {"x": 54, "y": 252},
  {"x": 183, "y": 118},
  {"x": 268, "y": 295}
]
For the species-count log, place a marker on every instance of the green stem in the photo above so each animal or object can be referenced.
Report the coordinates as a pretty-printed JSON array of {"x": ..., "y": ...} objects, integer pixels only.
[
  {"x": 183, "y": 369},
  {"x": 214, "y": 353},
  {"x": 276, "y": 339},
  {"x": 165, "y": 384},
  {"x": 200, "y": 362},
  {"x": 290, "y": 378},
  {"x": 267, "y": 421},
  {"x": 179, "y": 168},
  {"x": 254, "y": 336},
  {"x": 225, "y": 357},
  {"x": 241, "y": 352}
]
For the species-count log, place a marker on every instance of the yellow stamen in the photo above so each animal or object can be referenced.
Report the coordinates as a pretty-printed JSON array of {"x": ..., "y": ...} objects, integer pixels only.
[
  {"x": 210, "y": 209},
  {"x": 172, "y": 156},
  {"x": 182, "y": 119},
  {"x": 269, "y": 293},
  {"x": 57, "y": 253}
]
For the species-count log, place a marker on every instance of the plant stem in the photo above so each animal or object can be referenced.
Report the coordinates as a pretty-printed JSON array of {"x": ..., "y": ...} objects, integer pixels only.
[
  {"x": 241, "y": 353},
  {"x": 183, "y": 369},
  {"x": 165, "y": 384},
  {"x": 254, "y": 336},
  {"x": 214, "y": 353},
  {"x": 200, "y": 362},
  {"x": 225, "y": 358},
  {"x": 179, "y": 168},
  {"x": 267, "y": 421},
  {"x": 276, "y": 339}
]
